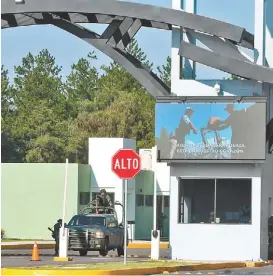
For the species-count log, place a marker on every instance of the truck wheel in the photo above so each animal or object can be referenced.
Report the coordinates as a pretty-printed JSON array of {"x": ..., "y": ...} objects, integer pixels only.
[
  {"x": 83, "y": 252},
  {"x": 104, "y": 252},
  {"x": 120, "y": 251}
]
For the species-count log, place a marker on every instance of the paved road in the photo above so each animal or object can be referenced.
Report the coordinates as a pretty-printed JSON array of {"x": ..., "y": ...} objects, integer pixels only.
[
  {"x": 22, "y": 257},
  {"x": 266, "y": 270}
]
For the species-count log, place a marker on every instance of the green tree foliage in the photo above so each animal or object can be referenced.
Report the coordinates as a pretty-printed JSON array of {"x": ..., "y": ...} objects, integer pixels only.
[
  {"x": 47, "y": 119},
  {"x": 165, "y": 71},
  {"x": 10, "y": 146},
  {"x": 81, "y": 84},
  {"x": 40, "y": 106}
]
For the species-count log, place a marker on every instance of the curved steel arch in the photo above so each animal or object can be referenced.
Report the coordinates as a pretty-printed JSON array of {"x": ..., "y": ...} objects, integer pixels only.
[
  {"x": 133, "y": 10},
  {"x": 116, "y": 12},
  {"x": 131, "y": 64}
]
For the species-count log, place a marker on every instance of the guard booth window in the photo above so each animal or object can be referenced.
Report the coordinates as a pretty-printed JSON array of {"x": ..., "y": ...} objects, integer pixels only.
[
  {"x": 220, "y": 201},
  {"x": 139, "y": 200},
  {"x": 149, "y": 199},
  {"x": 84, "y": 198}
]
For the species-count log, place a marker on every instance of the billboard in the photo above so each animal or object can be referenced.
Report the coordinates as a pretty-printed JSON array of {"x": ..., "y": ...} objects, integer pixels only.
[{"x": 221, "y": 130}]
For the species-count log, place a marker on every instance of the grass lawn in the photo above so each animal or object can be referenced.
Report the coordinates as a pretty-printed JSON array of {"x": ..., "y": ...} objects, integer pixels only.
[{"x": 115, "y": 265}]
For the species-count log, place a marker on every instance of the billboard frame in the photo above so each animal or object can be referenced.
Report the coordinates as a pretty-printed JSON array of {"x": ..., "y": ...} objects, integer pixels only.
[{"x": 213, "y": 99}]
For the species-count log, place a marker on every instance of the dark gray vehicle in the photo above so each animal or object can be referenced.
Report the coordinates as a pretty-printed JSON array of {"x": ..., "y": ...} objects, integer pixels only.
[{"x": 93, "y": 231}]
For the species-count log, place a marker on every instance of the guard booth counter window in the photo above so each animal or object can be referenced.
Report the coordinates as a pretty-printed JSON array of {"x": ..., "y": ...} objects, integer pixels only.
[{"x": 220, "y": 201}]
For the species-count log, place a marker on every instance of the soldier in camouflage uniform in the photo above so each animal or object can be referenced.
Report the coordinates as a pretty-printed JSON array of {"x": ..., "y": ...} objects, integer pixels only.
[
  {"x": 56, "y": 235},
  {"x": 105, "y": 199}
]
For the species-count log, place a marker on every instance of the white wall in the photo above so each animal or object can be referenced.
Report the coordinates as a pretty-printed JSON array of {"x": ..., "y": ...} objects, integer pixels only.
[
  {"x": 146, "y": 159},
  {"x": 215, "y": 242},
  {"x": 162, "y": 170},
  {"x": 100, "y": 153},
  {"x": 162, "y": 173},
  {"x": 205, "y": 87}
]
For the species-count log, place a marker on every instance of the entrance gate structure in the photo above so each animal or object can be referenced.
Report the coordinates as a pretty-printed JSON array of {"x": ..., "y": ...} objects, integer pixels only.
[{"x": 125, "y": 19}]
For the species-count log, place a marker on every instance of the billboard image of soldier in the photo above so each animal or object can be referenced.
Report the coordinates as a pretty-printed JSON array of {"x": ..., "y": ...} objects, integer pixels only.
[
  {"x": 183, "y": 129},
  {"x": 211, "y": 130}
]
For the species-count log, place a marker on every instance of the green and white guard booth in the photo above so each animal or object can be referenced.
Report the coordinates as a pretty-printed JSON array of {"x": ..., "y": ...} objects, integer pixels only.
[
  {"x": 220, "y": 177},
  {"x": 221, "y": 170}
]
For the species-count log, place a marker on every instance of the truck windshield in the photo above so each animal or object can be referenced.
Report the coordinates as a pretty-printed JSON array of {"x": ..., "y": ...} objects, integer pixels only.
[{"x": 88, "y": 221}]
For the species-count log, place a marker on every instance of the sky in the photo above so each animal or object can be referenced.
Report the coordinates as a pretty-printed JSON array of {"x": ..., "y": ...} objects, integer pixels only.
[
  {"x": 168, "y": 115},
  {"x": 67, "y": 49}
]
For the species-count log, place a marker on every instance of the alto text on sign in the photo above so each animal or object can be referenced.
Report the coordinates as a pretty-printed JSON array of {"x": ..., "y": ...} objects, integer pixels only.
[{"x": 126, "y": 163}]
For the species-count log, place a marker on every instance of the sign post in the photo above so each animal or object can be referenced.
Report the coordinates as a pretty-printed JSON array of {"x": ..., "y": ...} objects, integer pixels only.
[
  {"x": 125, "y": 220},
  {"x": 126, "y": 165}
]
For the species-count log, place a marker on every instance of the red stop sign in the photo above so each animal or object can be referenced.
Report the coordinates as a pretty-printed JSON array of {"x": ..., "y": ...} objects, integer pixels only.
[{"x": 126, "y": 163}]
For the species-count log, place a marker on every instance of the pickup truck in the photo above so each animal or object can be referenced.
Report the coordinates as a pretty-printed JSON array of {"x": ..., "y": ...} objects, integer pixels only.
[{"x": 95, "y": 232}]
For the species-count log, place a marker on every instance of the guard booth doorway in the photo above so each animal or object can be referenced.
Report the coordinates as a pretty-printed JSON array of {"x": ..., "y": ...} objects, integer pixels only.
[{"x": 163, "y": 223}]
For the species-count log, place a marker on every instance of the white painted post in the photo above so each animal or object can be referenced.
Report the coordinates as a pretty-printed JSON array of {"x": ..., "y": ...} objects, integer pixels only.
[
  {"x": 176, "y": 41},
  {"x": 125, "y": 221},
  {"x": 63, "y": 241},
  {"x": 63, "y": 238},
  {"x": 189, "y": 65}
]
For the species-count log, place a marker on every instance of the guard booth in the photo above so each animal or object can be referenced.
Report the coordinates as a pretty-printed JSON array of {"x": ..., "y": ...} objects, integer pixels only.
[{"x": 221, "y": 184}]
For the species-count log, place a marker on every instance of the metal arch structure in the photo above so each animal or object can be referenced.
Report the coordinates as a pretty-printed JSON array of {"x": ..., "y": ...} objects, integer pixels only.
[
  {"x": 125, "y": 20},
  {"x": 131, "y": 64}
]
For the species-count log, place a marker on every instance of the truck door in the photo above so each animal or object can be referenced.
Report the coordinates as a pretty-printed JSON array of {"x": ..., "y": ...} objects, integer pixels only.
[
  {"x": 111, "y": 234},
  {"x": 114, "y": 232}
]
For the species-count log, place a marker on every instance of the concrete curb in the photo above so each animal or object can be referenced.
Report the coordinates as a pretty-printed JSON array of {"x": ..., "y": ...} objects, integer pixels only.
[
  {"x": 51, "y": 246},
  {"x": 95, "y": 256},
  {"x": 62, "y": 259},
  {"x": 134, "y": 271}
]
